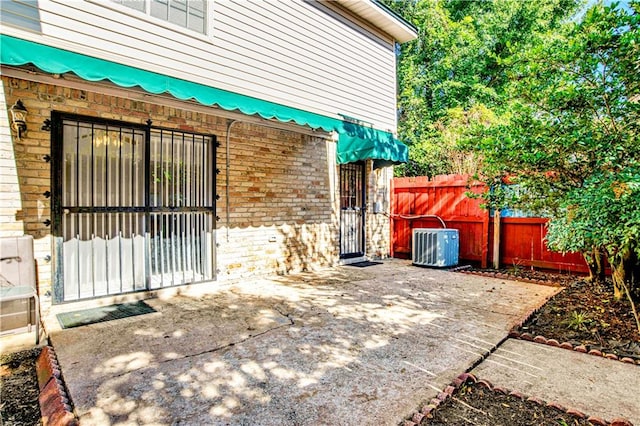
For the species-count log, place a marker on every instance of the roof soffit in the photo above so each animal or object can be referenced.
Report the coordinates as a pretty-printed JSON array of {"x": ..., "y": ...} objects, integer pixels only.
[{"x": 382, "y": 18}]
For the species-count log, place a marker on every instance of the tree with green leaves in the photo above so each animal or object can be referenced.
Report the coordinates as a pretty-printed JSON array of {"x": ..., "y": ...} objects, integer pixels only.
[
  {"x": 571, "y": 139},
  {"x": 454, "y": 76}
]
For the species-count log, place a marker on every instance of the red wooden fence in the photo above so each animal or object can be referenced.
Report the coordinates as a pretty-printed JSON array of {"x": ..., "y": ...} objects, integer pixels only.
[{"x": 419, "y": 202}]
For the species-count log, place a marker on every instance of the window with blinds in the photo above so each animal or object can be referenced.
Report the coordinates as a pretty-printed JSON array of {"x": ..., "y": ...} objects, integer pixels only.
[{"x": 189, "y": 14}]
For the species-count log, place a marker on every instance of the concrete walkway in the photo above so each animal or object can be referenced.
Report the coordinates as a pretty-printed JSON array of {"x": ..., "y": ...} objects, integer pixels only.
[
  {"x": 345, "y": 346},
  {"x": 593, "y": 385}
]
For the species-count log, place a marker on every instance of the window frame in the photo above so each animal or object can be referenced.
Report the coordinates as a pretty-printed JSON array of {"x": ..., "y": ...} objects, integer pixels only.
[{"x": 147, "y": 17}]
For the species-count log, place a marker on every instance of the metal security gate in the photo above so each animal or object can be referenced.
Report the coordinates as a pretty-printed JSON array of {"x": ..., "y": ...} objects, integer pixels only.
[
  {"x": 352, "y": 210},
  {"x": 133, "y": 207}
]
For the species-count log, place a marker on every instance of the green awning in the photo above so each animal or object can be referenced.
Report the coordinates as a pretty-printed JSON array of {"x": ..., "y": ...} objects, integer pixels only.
[
  {"x": 357, "y": 142},
  {"x": 57, "y": 61}
]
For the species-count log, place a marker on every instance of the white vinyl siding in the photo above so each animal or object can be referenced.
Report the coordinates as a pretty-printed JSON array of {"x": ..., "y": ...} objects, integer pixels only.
[{"x": 307, "y": 55}]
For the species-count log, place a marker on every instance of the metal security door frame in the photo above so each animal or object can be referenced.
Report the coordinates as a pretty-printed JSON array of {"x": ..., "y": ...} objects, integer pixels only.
[
  {"x": 57, "y": 149},
  {"x": 353, "y": 208}
]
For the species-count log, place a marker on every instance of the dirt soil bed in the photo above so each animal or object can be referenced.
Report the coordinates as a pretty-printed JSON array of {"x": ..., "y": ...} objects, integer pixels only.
[
  {"x": 583, "y": 313},
  {"x": 586, "y": 314},
  {"x": 474, "y": 404},
  {"x": 526, "y": 274},
  {"x": 19, "y": 388}
]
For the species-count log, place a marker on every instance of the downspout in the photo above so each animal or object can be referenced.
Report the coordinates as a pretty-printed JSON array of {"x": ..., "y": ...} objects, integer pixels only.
[{"x": 228, "y": 163}]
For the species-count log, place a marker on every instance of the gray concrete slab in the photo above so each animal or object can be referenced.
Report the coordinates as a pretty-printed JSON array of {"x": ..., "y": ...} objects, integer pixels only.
[
  {"x": 596, "y": 386},
  {"x": 342, "y": 346}
]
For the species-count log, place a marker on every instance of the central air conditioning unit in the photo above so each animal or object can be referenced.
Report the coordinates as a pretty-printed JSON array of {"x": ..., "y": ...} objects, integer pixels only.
[{"x": 435, "y": 247}]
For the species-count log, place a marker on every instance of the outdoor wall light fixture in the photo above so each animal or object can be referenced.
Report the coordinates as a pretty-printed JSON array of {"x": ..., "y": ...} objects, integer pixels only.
[{"x": 19, "y": 118}]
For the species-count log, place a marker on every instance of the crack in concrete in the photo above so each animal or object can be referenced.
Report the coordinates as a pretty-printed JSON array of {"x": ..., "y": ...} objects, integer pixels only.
[
  {"x": 228, "y": 345},
  {"x": 288, "y": 316},
  {"x": 219, "y": 348}
]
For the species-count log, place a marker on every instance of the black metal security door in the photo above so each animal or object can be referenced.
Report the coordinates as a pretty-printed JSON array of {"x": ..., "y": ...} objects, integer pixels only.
[
  {"x": 352, "y": 210},
  {"x": 133, "y": 207}
]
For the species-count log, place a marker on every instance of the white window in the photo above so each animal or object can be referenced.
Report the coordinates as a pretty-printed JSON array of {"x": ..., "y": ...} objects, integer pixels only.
[{"x": 189, "y": 14}]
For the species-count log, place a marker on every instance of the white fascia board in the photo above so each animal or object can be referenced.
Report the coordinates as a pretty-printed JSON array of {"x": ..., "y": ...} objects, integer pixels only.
[{"x": 379, "y": 16}]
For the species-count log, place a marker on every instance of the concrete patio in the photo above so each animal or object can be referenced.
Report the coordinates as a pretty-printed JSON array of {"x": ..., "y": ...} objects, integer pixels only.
[{"x": 342, "y": 346}]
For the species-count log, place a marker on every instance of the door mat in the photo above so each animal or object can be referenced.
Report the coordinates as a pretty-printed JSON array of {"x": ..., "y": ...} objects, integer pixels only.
[
  {"x": 104, "y": 313},
  {"x": 364, "y": 264}
]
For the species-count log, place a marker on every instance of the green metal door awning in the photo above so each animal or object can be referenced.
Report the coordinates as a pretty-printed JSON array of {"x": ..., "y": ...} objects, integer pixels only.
[{"x": 355, "y": 142}]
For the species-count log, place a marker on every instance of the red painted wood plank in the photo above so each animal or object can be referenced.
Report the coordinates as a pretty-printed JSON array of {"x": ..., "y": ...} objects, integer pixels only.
[{"x": 522, "y": 239}]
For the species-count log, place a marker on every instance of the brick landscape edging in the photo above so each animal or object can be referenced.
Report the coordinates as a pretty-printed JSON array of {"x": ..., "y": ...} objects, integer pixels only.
[
  {"x": 55, "y": 405},
  {"x": 516, "y": 334},
  {"x": 468, "y": 378},
  {"x": 492, "y": 274},
  {"x": 570, "y": 346}
]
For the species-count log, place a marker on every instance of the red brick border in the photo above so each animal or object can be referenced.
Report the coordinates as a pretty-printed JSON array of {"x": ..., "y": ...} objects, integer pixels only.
[
  {"x": 466, "y": 378},
  {"x": 515, "y": 334},
  {"x": 492, "y": 274},
  {"x": 567, "y": 345},
  {"x": 55, "y": 406}
]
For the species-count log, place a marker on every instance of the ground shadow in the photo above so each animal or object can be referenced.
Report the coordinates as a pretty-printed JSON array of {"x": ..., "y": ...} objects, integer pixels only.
[{"x": 342, "y": 346}]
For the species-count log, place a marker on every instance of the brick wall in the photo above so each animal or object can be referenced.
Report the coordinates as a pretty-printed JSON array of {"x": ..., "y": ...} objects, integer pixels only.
[
  {"x": 280, "y": 183},
  {"x": 283, "y": 200},
  {"x": 378, "y": 227},
  {"x": 25, "y": 176}
]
